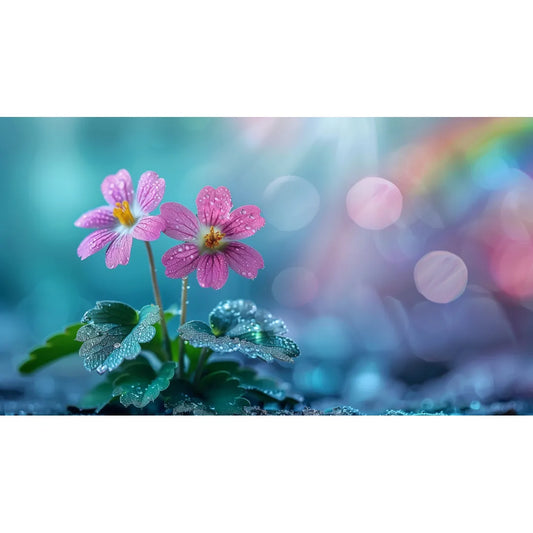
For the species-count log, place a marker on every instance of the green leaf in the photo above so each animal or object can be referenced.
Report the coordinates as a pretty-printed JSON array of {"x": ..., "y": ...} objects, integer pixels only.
[
  {"x": 249, "y": 380},
  {"x": 171, "y": 312},
  {"x": 156, "y": 345},
  {"x": 268, "y": 346},
  {"x": 217, "y": 393},
  {"x": 178, "y": 391},
  {"x": 228, "y": 366},
  {"x": 98, "y": 397},
  {"x": 237, "y": 325},
  {"x": 258, "y": 389},
  {"x": 184, "y": 399},
  {"x": 114, "y": 332},
  {"x": 193, "y": 354},
  {"x": 199, "y": 335},
  {"x": 111, "y": 313},
  {"x": 223, "y": 393},
  {"x": 141, "y": 385},
  {"x": 56, "y": 347},
  {"x": 229, "y": 313}
]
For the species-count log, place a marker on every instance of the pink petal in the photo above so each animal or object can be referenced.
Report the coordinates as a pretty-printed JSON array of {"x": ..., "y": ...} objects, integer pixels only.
[
  {"x": 117, "y": 188},
  {"x": 213, "y": 205},
  {"x": 148, "y": 228},
  {"x": 243, "y": 222},
  {"x": 180, "y": 260},
  {"x": 180, "y": 223},
  {"x": 101, "y": 217},
  {"x": 243, "y": 259},
  {"x": 119, "y": 251},
  {"x": 150, "y": 191},
  {"x": 212, "y": 270},
  {"x": 95, "y": 242}
]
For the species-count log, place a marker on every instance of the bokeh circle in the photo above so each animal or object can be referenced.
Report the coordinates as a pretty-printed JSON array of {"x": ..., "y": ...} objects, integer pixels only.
[
  {"x": 374, "y": 203},
  {"x": 441, "y": 276},
  {"x": 290, "y": 203}
]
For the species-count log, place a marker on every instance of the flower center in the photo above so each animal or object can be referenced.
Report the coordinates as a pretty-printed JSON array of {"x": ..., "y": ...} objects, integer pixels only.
[
  {"x": 213, "y": 238},
  {"x": 123, "y": 214}
]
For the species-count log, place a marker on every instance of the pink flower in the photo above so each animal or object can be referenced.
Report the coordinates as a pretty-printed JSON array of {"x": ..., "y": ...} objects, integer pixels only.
[
  {"x": 124, "y": 218},
  {"x": 211, "y": 239}
]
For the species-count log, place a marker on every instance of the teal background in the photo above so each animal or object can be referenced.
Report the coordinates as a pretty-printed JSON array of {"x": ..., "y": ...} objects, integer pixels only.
[{"x": 353, "y": 353}]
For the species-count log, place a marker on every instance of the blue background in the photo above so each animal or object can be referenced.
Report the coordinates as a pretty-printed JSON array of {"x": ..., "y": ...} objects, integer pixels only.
[{"x": 368, "y": 338}]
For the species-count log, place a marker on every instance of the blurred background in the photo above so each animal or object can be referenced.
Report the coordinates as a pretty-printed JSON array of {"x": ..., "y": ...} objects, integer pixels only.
[{"x": 399, "y": 251}]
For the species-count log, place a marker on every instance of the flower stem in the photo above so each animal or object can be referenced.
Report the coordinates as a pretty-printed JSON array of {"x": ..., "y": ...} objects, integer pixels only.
[
  {"x": 183, "y": 318},
  {"x": 157, "y": 296},
  {"x": 204, "y": 356}
]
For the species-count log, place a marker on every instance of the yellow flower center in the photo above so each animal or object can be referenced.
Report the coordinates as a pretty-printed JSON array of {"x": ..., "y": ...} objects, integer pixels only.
[
  {"x": 123, "y": 214},
  {"x": 213, "y": 238}
]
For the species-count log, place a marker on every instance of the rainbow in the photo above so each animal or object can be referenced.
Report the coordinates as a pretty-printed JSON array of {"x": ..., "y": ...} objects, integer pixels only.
[
  {"x": 471, "y": 138},
  {"x": 424, "y": 166}
]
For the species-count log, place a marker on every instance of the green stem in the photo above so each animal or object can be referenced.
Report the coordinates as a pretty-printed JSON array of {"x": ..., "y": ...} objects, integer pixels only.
[
  {"x": 204, "y": 356},
  {"x": 157, "y": 296},
  {"x": 183, "y": 318}
]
